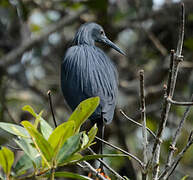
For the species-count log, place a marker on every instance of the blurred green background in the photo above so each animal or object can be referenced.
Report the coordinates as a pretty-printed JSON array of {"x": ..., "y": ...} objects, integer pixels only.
[{"x": 145, "y": 30}]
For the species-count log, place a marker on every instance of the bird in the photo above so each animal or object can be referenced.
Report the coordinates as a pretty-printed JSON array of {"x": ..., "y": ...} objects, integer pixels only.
[{"x": 86, "y": 71}]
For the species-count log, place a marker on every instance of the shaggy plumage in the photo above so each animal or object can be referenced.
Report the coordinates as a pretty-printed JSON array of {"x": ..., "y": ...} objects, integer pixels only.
[{"x": 87, "y": 71}]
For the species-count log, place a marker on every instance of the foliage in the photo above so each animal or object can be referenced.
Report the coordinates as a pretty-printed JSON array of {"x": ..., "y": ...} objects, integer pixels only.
[
  {"x": 145, "y": 30},
  {"x": 46, "y": 148},
  {"x": 6, "y": 160}
]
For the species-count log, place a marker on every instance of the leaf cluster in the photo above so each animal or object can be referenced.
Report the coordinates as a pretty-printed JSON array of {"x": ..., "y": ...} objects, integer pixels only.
[{"x": 46, "y": 148}]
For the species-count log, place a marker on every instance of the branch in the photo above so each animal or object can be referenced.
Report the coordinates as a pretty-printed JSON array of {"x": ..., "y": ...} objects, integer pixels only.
[
  {"x": 107, "y": 166},
  {"x": 138, "y": 124},
  {"x": 50, "y": 101},
  {"x": 174, "y": 140},
  {"x": 179, "y": 103},
  {"x": 168, "y": 171},
  {"x": 173, "y": 72},
  {"x": 122, "y": 139},
  {"x": 143, "y": 119},
  {"x": 121, "y": 150},
  {"x": 13, "y": 56},
  {"x": 181, "y": 32}
]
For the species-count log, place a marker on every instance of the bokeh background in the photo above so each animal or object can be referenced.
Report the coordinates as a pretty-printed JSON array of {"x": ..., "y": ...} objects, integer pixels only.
[{"x": 145, "y": 30}]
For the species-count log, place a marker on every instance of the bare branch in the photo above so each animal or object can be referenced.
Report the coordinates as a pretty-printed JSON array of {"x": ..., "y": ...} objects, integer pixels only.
[
  {"x": 166, "y": 104},
  {"x": 168, "y": 171},
  {"x": 174, "y": 66},
  {"x": 181, "y": 33},
  {"x": 107, "y": 166},
  {"x": 13, "y": 56},
  {"x": 168, "y": 91},
  {"x": 174, "y": 140},
  {"x": 138, "y": 124},
  {"x": 164, "y": 117},
  {"x": 143, "y": 119},
  {"x": 121, "y": 150},
  {"x": 52, "y": 110},
  {"x": 179, "y": 103}
]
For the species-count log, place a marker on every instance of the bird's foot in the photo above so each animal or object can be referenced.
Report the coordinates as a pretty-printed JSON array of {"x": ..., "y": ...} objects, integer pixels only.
[{"x": 99, "y": 170}]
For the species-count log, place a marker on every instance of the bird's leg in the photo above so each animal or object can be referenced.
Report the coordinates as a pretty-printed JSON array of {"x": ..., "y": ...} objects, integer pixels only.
[{"x": 102, "y": 137}]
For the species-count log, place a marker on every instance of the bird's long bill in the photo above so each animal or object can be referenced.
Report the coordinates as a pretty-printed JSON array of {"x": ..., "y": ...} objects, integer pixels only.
[{"x": 111, "y": 44}]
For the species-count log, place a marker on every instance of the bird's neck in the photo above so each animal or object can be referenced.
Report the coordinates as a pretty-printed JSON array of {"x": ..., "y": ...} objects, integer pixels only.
[{"x": 83, "y": 36}]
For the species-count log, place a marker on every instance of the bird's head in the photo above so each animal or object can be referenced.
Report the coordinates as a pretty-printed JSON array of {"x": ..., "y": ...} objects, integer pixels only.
[{"x": 89, "y": 33}]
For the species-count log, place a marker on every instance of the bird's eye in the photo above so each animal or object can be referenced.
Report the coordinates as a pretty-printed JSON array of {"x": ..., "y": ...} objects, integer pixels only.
[{"x": 101, "y": 32}]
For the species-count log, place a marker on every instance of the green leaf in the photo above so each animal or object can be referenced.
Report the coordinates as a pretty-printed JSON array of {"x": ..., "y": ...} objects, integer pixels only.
[
  {"x": 71, "y": 146},
  {"x": 26, "y": 146},
  {"x": 42, "y": 145},
  {"x": 185, "y": 177},
  {"x": 66, "y": 174},
  {"x": 73, "y": 158},
  {"x": 23, "y": 164},
  {"x": 46, "y": 131},
  {"x": 91, "y": 135},
  {"x": 30, "y": 110},
  {"x": 14, "y": 129},
  {"x": 45, "y": 128},
  {"x": 84, "y": 140},
  {"x": 6, "y": 159},
  {"x": 60, "y": 135},
  {"x": 37, "y": 120},
  {"x": 83, "y": 111}
]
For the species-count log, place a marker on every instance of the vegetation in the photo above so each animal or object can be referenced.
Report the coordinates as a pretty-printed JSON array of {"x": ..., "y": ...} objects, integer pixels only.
[
  {"x": 48, "y": 149},
  {"x": 33, "y": 38}
]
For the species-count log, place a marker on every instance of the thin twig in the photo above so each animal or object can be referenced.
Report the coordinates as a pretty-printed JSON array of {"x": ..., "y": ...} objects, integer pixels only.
[
  {"x": 118, "y": 176},
  {"x": 179, "y": 103},
  {"x": 50, "y": 101},
  {"x": 181, "y": 33},
  {"x": 143, "y": 119},
  {"x": 122, "y": 139},
  {"x": 164, "y": 117},
  {"x": 121, "y": 150},
  {"x": 181, "y": 154},
  {"x": 174, "y": 164},
  {"x": 166, "y": 105},
  {"x": 174, "y": 67},
  {"x": 138, "y": 124},
  {"x": 174, "y": 140}
]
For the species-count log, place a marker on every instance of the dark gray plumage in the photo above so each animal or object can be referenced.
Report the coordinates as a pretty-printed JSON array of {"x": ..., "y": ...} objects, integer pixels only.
[{"x": 87, "y": 71}]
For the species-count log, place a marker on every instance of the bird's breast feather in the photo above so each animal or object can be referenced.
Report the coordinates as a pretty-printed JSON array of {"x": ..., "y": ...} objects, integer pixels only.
[{"x": 92, "y": 72}]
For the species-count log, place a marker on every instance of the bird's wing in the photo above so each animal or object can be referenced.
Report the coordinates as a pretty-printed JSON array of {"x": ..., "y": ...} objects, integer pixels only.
[{"x": 89, "y": 72}]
